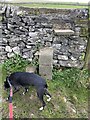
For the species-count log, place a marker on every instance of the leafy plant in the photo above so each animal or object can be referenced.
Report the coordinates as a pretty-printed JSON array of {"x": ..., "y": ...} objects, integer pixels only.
[
  {"x": 14, "y": 64},
  {"x": 35, "y": 62},
  {"x": 71, "y": 78}
]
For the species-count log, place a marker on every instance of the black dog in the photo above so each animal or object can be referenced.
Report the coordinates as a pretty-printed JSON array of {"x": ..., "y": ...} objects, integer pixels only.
[{"x": 26, "y": 79}]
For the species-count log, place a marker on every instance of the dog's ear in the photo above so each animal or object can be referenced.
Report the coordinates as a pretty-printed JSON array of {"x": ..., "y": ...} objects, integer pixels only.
[{"x": 6, "y": 85}]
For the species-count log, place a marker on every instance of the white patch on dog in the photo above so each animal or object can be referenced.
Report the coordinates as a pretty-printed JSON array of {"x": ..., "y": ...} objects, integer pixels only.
[
  {"x": 49, "y": 98},
  {"x": 7, "y": 99},
  {"x": 23, "y": 93},
  {"x": 27, "y": 90},
  {"x": 41, "y": 108},
  {"x": 47, "y": 95}
]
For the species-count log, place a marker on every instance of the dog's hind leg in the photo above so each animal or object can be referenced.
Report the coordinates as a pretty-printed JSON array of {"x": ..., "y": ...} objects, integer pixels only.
[
  {"x": 40, "y": 94},
  {"x": 26, "y": 90},
  {"x": 47, "y": 94}
]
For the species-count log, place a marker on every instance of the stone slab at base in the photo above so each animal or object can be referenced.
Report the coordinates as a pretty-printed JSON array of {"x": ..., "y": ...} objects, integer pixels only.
[{"x": 31, "y": 69}]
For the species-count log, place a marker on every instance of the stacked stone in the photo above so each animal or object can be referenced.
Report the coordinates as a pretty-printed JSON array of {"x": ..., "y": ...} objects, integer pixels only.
[
  {"x": 69, "y": 52},
  {"x": 25, "y": 33}
]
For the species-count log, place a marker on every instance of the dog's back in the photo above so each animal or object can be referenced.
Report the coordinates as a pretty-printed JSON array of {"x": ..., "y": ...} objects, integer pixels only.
[{"x": 25, "y": 79}]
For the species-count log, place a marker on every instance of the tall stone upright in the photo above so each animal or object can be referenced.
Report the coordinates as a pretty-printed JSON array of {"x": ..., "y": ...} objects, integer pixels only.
[{"x": 46, "y": 62}]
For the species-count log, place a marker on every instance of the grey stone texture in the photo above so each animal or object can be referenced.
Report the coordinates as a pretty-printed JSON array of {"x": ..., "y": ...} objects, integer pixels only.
[
  {"x": 26, "y": 30},
  {"x": 46, "y": 62}
]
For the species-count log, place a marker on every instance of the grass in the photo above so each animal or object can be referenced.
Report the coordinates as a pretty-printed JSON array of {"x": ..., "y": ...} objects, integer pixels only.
[
  {"x": 69, "y": 97},
  {"x": 50, "y": 5}
]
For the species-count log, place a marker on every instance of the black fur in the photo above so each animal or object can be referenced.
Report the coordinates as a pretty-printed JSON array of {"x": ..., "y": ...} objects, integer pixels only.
[{"x": 25, "y": 80}]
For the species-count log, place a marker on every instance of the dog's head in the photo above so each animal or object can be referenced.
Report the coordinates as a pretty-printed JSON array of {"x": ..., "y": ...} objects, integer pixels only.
[{"x": 6, "y": 84}]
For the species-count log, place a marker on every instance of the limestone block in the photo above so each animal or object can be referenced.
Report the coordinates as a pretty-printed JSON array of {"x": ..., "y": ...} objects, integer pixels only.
[
  {"x": 62, "y": 57},
  {"x": 32, "y": 34},
  {"x": 19, "y": 12},
  {"x": 16, "y": 50},
  {"x": 30, "y": 69},
  {"x": 10, "y": 55},
  {"x": 73, "y": 58},
  {"x": 46, "y": 56},
  {"x": 45, "y": 71},
  {"x": 63, "y": 32},
  {"x": 8, "y": 49},
  {"x": 46, "y": 62}
]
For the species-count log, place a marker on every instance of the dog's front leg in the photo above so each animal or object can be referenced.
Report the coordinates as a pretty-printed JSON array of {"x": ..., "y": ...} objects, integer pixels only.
[{"x": 16, "y": 89}]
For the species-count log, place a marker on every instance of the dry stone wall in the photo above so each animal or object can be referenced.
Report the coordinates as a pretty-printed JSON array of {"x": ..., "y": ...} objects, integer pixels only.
[{"x": 26, "y": 30}]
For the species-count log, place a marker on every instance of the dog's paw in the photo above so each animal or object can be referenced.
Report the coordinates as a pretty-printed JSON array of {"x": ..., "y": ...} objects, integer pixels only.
[
  {"x": 7, "y": 99},
  {"x": 48, "y": 99},
  {"x": 23, "y": 93},
  {"x": 27, "y": 90},
  {"x": 41, "y": 108}
]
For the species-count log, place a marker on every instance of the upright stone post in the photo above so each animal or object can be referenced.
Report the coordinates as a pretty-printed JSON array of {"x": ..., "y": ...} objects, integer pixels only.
[{"x": 46, "y": 62}]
